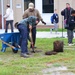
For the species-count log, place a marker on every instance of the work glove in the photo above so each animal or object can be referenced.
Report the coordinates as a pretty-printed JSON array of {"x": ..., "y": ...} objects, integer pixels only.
[{"x": 43, "y": 22}]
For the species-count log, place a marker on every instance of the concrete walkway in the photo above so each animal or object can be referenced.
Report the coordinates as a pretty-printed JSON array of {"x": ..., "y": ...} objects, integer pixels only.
[
  {"x": 50, "y": 35},
  {"x": 42, "y": 34}
]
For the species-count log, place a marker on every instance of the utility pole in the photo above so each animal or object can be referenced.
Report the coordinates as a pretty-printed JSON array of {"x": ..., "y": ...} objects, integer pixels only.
[
  {"x": 11, "y": 4},
  {"x": 2, "y": 11}
]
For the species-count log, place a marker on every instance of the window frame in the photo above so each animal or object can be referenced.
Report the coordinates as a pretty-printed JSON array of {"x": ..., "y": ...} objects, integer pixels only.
[{"x": 51, "y": 3}]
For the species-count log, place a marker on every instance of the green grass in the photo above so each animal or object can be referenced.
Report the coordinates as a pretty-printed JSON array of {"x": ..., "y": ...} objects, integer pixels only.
[
  {"x": 13, "y": 64},
  {"x": 48, "y": 29}
]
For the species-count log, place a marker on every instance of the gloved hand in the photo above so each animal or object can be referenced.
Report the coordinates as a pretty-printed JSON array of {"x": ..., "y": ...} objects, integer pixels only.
[{"x": 43, "y": 22}]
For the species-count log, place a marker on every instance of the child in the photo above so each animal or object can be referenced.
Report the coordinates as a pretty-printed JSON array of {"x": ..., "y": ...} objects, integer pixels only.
[
  {"x": 55, "y": 20},
  {"x": 22, "y": 27},
  {"x": 71, "y": 28}
]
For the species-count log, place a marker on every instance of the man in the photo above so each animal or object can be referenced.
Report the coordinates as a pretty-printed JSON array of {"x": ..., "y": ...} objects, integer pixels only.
[
  {"x": 71, "y": 27},
  {"x": 9, "y": 18},
  {"x": 66, "y": 13},
  {"x": 22, "y": 27},
  {"x": 31, "y": 11}
]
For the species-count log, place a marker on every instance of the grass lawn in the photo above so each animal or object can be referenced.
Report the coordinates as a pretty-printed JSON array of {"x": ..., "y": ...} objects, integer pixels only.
[
  {"x": 48, "y": 29},
  {"x": 13, "y": 64}
]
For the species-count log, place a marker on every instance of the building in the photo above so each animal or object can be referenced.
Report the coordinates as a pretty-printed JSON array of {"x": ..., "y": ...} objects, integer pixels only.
[{"x": 45, "y": 7}]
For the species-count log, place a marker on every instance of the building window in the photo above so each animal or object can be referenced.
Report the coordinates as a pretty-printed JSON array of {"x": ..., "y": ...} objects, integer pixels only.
[
  {"x": 26, "y": 2},
  {"x": 48, "y": 6}
]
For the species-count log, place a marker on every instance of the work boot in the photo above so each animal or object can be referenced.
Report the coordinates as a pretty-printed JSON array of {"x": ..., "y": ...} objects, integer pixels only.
[
  {"x": 24, "y": 55},
  {"x": 35, "y": 47},
  {"x": 28, "y": 53},
  {"x": 33, "y": 50}
]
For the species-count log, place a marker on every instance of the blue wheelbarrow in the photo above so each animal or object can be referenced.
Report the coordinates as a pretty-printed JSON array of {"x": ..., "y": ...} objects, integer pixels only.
[{"x": 10, "y": 40}]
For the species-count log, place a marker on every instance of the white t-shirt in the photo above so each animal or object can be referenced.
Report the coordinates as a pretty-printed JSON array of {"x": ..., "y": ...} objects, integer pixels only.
[{"x": 9, "y": 14}]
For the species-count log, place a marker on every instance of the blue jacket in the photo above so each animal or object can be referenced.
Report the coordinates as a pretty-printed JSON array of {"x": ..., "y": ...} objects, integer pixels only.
[{"x": 55, "y": 18}]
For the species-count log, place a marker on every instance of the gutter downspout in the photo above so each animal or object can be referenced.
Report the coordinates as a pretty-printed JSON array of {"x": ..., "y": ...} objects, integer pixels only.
[{"x": 2, "y": 13}]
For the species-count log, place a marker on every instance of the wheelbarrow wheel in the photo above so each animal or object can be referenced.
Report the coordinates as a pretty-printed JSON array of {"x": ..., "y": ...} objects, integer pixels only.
[
  {"x": 15, "y": 45},
  {"x": 15, "y": 51}
]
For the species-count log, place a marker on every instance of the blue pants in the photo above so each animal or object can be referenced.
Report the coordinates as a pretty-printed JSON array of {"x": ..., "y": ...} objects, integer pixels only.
[
  {"x": 23, "y": 32},
  {"x": 11, "y": 24},
  {"x": 55, "y": 26},
  {"x": 34, "y": 34}
]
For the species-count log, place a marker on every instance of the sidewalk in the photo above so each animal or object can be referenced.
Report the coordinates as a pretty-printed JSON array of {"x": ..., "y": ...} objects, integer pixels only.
[
  {"x": 51, "y": 35},
  {"x": 42, "y": 34}
]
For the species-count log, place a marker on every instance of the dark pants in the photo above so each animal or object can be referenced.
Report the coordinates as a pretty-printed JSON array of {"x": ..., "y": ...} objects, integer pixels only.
[
  {"x": 23, "y": 32},
  {"x": 70, "y": 36},
  {"x": 33, "y": 34},
  {"x": 11, "y": 24}
]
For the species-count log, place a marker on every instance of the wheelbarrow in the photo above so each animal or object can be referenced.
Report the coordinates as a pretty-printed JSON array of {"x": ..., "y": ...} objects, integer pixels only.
[{"x": 10, "y": 40}]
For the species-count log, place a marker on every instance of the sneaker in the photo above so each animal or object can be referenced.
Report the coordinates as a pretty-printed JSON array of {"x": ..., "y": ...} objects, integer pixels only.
[
  {"x": 5, "y": 32},
  {"x": 71, "y": 44},
  {"x": 24, "y": 55}
]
